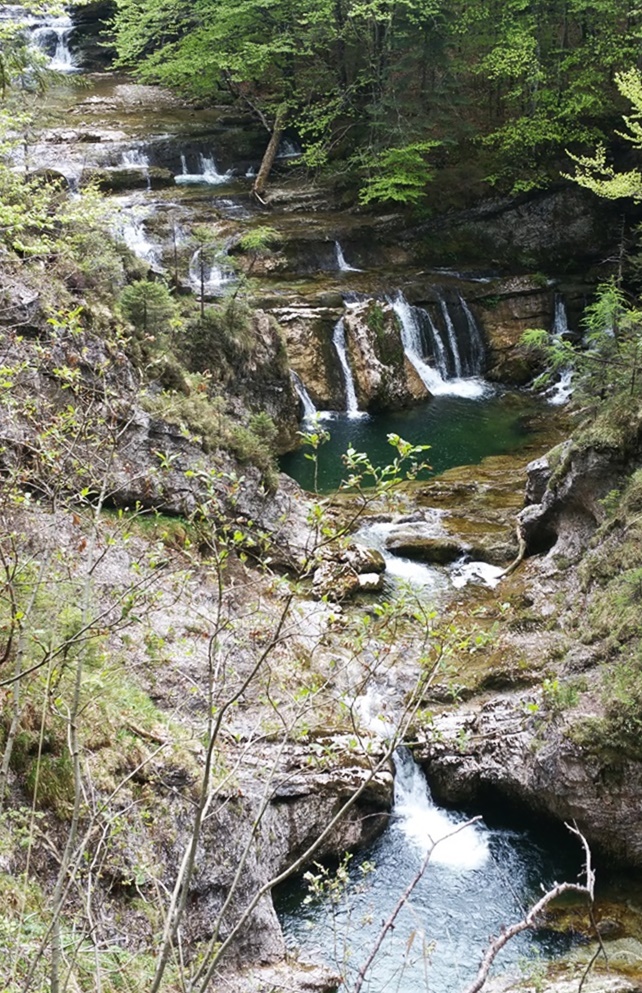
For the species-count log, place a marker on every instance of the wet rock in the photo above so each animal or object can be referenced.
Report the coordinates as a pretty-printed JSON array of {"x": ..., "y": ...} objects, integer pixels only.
[
  {"x": 384, "y": 379},
  {"x": 116, "y": 179},
  {"x": 363, "y": 559},
  {"x": 419, "y": 541},
  {"x": 350, "y": 571},
  {"x": 513, "y": 752},
  {"x": 595, "y": 982},
  {"x": 311, "y": 354}
]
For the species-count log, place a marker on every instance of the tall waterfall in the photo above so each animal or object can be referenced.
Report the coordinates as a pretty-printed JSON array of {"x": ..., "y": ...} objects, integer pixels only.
[
  {"x": 450, "y": 367},
  {"x": 52, "y": 36},
  {"x": 560, "y": 319},
  {"x": 342, "y": 265},
  {"x": 424, "y": 824},
  {"x": 309, "y": 409},
  {"x": 339, "y": 342}
]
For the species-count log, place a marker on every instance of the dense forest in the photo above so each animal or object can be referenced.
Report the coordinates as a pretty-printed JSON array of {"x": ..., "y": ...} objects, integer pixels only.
[{"x": 395, "y": 91}]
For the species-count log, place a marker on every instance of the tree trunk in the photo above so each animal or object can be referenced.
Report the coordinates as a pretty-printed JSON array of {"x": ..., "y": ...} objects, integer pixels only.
[{"x": 269, "y": 157}]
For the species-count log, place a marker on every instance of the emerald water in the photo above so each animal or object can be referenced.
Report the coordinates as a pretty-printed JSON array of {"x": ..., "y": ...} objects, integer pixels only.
[{"x": 460, "y": 431}]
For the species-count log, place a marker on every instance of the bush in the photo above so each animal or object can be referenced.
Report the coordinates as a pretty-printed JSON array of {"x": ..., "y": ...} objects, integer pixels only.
[{"x": 220, "y": 340}]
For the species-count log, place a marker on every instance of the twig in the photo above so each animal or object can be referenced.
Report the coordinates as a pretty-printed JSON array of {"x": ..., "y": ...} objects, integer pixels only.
[
  {"x": 528, "y": 921},
  {"x": 402, "y": 901}
]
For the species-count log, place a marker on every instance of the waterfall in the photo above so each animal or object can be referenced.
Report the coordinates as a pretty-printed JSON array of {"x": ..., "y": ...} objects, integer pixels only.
[
  {"x": 560, "y": 320},
  {"x": 438, "y": 348},
  {"x": 132, "y": 231},
  {"x": 136, "y": 158},
  {"x": 288, "y": 149},
  {"x": 208, "y": 173},
  {"x": 561, "y": 391},
  {"x": 339, "y": 342},
  {"x": 423, "y": 824},
  {"x": 437, "y": 379},
  {"x": 309, "y": 410},
  {"x": 452, "y": 338},
  {"x": 474, "y": 366},
  {"x": 215, "y": 278},
  {"x": 342, "y": 265},
  {"x": 52, "y": 37}
]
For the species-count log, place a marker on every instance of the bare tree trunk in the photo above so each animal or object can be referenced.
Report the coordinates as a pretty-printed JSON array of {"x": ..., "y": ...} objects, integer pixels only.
[{"x": 269, "y": 156}]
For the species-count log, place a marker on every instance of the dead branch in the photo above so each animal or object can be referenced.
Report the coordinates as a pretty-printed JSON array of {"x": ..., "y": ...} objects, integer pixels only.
[{"x": 586, "y": 889}]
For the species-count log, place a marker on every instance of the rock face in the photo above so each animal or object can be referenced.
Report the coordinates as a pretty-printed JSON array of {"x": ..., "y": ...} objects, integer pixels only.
[
  {"x": 384, "y": 378},
  {"x": 311, "y": 354},
  {"x": 563, "y": 494},
  {"x": 505, "y": 752}
]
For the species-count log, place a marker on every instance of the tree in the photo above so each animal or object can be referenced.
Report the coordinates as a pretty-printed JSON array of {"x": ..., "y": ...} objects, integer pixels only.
[{"x": 148, "y": 305}]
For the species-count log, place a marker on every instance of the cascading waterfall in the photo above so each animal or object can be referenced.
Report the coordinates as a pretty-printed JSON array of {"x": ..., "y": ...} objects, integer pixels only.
[
  {"x": 136, "y": 158},
  {"x": 339, "y": 342},
  {"x": 52, "y": 37},
  {"x": 342, "y": 265},
  {"x": 437, "y": 379},
  {"x": 132, "y": 231},
  {"x": 207, "y": 172},
  {"x": 475, "y": 364},
  {"x": 309, "y": 409},
  {"x": 452, "y": 338},
  {"x": 424, "y": 824}
]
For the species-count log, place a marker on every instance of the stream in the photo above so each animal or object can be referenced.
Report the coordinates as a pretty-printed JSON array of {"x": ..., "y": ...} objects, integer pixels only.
[
  {"x": 484, "y": 875},
  {"x": 477, "y": 880}
]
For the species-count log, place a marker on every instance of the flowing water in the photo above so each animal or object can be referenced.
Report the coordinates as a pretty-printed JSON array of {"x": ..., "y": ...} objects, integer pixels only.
[{"x": 478, "y": 879}]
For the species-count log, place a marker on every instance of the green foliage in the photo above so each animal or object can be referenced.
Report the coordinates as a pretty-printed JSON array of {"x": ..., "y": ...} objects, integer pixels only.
[
  {"x": 385, "y": 83},
  {"x": 606, "y": 364},
  {"x": 149, "y": 306},
  {"x": 220, "y": 340},
  {"x": 398, "y": 174},
  {"x": 208, "y": 421}
]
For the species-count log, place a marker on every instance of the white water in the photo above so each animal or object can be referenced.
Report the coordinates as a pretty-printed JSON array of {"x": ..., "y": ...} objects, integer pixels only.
[
  {"x": 561, "y": 392},
  {"x": 207, "y": 172},
  {"x": 342, "y": 265},
  {"x": 477, "y": 350},
  {"x": 61, "y": 27},
  {"x": 288, "y": 149},
  {"x": 410, "y": 571},
  {"x": 215, "y": 279},
  {"x": 434, "y": 380},
  {"x": 309, "y": 409},
  {"x": 463, "y": 572},
  {"x": 339, "y": 342},
  {"x": 136, "y": 158},
  {"x": 452, "y": 338},
  {"x": 131, "y": 229},
  {"x": 423, "y": 824}
]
